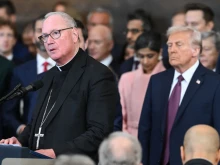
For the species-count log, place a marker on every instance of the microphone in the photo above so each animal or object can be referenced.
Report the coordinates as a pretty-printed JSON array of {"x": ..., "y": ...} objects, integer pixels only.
[{"x": 23, "y": 90}]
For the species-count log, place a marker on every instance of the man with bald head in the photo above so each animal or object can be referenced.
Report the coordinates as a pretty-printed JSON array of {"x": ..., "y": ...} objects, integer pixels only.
[
  {"x": 120, "y": 148},
  {"x": 200, "y": 146},
  {"x": 74, "y": 110},
  {"x": 100, "y": 43}
]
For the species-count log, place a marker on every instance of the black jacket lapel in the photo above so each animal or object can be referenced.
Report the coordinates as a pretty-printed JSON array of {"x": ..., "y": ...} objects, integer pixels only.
[{"x": 71, "y": 79}]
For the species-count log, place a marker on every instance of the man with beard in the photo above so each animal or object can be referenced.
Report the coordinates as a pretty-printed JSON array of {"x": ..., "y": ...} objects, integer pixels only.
[{"x": 14, "y": 122}]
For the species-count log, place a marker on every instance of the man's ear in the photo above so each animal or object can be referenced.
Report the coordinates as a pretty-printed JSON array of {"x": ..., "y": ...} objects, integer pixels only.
[
  {"x": 209, "y": 25},
  {"x": 182, "y": 154},
  {"x": 218, "y": 156}
]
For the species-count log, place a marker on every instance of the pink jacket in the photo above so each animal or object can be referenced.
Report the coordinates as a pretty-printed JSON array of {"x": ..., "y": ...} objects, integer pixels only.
[{"x": 132, "y": 88}]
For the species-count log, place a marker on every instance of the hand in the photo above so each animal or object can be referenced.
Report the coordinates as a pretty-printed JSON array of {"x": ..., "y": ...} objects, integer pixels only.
[
  {"x": 47, "y": 152},
  {"x": 12, "y": 140},
  {"x": 21, "y": 129}
]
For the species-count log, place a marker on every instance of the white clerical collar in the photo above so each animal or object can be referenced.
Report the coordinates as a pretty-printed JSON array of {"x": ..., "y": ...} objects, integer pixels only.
[
  {"x": 59, "y": 67},
  {"x": 9, "y": 57},
  {"x": 107, "y": 61},
  {"x": 187, "y": 75}
]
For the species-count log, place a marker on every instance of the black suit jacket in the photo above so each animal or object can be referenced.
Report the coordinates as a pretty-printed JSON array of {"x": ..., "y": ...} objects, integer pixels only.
[
  {"x": 84, "y": 112},
  {"x": 198, "y": 162}
]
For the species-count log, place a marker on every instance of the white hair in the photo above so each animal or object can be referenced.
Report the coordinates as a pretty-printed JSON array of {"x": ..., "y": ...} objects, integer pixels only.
[
  {"x": 131, "y": 155},
  {"x": 196, "y": 37},
  {"x": 73, "y": 160},
  {"x": 69, "y": 20}
]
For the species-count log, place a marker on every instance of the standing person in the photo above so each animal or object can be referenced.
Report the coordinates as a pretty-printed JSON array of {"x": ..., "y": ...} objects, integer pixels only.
[
  {"x": 183, "y": 96},
  {"x": 75, "y": 107},
  {"x": 148, "y": 49},
  {"x": 137, "y": 22},
  {"x": 210, "y": 49}
]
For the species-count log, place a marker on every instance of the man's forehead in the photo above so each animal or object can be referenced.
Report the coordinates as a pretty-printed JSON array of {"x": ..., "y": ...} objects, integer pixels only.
[
  {"x": 178, "y": 37},
  {"x": 194, "y": 14}
]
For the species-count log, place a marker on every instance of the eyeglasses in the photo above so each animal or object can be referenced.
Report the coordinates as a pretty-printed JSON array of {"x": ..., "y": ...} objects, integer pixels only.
[
  {"x": 133, "y": 31},
  {"x": 55, "y": 34}
]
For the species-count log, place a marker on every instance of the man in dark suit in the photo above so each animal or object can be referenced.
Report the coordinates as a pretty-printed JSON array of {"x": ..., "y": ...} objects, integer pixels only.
[
  {"x": 75, "y": 109},
  {"x": 177, "y": 99},
  {"x": 13, "y": 121},
  {"x": 201, "y": 146}
]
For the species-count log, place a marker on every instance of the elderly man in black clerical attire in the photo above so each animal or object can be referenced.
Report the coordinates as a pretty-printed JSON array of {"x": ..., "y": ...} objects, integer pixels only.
[{"x": 75, "y": 109}]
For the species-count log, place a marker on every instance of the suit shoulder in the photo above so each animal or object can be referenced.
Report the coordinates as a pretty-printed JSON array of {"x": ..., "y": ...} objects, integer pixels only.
[{"x": 95, "y": 66}]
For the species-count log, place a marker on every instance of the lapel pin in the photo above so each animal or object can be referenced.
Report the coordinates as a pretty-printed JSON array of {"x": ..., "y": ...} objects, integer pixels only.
[{"x": 198, "y": 81}]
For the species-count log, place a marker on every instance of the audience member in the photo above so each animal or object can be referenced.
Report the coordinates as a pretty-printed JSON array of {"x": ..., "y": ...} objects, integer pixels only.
[
  {"x": 137, "y": 22},
  {"x": 60, "y": 6},
  {"x": 73, "y": 160},
  {"x": 178, "y": 19},
  {"x": 210, "y": 49},
  {"x": 27, "y": 38},
  {"x": 101, "y": 16},
  {"x": 7, "y": 40},
  {"x": 120, "y": 148},
  {"x": 176, "y": 99},
  {"x": 200, "y": 146},
  {"x": 15, "y": 122},
  {"x": 100, "y": 43},
  {"x": 199, "y": 16},
  {"x": 133, "y": 85},
  {"x": 8, "y": 13}
]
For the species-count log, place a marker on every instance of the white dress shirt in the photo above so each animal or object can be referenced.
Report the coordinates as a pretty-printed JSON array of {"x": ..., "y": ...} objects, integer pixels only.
[
  {"x": 107, "y": 61},
  {"x": 187, "y": 75},
  {"x": 41, "y": 61},
  {"x": 9, "y": 57}
]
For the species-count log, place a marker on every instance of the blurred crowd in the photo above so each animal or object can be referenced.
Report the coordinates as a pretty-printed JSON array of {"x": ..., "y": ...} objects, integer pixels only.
[{"x": 23, "y": 60}]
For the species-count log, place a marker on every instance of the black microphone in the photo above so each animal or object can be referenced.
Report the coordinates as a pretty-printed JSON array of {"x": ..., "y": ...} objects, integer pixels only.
[{"x": 23, "y": 90}]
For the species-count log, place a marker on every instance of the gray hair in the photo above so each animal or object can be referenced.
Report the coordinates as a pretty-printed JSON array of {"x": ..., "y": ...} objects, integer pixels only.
[
  {"x": 101, "y": 10},
  {"x": 69, "y": 20},
  {"x": 196, "y": 37},
  {"x": 131, "y": 155},
  {"x": 73, "y": 160},
  {"x": 215, "y": 36}
]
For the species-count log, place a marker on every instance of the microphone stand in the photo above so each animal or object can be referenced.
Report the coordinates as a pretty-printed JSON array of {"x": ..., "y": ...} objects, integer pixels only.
[{"x": 6, "y": 97}]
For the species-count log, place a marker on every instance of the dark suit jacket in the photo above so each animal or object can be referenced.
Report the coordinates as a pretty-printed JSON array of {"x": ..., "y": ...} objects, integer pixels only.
[
  {"x": 198, "y": 162},
  {"x": 126, "y": 66},
  {"x": 84, "y": 111},
  {"x": 200, "y": 105},
  {"x": 5, "y": 71},
  {"x": 23, "y": 74}
]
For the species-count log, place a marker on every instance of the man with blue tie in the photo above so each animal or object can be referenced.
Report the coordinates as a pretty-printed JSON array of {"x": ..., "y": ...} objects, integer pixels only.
[
  {"x": 25, "y": 74},
  {"x": 183, "y": 96}
]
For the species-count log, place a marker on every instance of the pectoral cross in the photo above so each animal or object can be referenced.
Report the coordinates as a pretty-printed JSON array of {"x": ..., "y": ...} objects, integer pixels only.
[{"x": 38, "y": 135}]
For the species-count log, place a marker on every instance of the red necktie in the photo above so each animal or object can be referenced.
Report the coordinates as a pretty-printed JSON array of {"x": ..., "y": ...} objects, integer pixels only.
[
  {"x": 173, "y": 106},
  {"x": 45, "y": 64}
]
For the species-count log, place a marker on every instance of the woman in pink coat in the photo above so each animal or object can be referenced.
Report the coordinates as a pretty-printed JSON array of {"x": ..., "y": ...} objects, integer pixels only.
[{"x": 133, "y": 85}]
